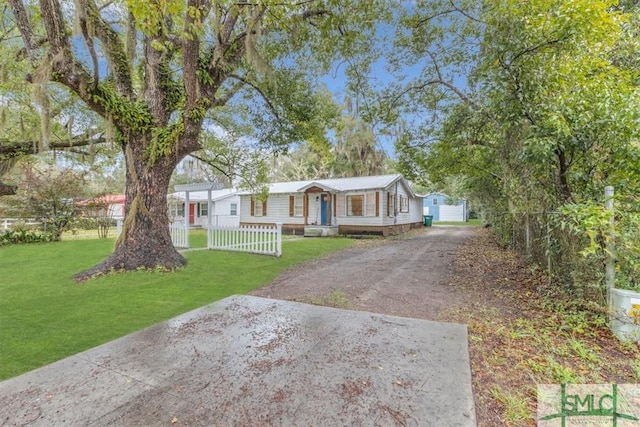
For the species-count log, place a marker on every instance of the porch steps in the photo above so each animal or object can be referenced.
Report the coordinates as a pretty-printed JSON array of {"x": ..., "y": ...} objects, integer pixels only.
[{"x": 312, "y": 232}]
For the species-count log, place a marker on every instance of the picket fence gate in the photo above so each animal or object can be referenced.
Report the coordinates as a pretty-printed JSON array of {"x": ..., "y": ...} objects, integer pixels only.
[
  {"x": 179, "y": 235},
  {"x": 266, "y": 240}
]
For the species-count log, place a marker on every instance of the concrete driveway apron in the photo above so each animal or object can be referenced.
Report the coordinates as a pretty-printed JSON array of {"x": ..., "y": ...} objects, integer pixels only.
[{"x": 253, "y": 361}]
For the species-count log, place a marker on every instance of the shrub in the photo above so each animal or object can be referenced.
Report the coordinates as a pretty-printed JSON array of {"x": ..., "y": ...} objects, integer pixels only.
[{"x": 22, "y": 236}]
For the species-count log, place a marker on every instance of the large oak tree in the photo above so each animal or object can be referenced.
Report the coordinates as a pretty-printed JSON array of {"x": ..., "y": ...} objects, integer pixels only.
[{"x": 159, "y": 71}]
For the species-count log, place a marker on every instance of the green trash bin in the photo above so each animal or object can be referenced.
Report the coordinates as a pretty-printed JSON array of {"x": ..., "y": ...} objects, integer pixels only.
[{"x": 427, "y": 220}]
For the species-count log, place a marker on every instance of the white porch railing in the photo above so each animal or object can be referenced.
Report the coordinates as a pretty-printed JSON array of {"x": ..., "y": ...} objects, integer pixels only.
[
  {"x": 179, "y": 234},
  {"x": 254, "y": 239}
]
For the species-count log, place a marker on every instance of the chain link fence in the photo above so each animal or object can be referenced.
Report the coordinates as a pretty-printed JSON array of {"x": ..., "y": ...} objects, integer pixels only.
[{"x": 573, "y": 246}]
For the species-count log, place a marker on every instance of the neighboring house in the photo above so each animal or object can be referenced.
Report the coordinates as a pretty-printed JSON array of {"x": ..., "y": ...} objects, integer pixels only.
[
  {"x": 207, "y": 205},
  {"x": 106, "y": 206},
  {"x": 439, "y": 206},
  {"x": 362, "y": 205}
]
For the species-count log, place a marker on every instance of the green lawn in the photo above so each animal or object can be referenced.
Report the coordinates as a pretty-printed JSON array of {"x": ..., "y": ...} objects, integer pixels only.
[
  {"x": 45, "y": 316},
  {"x": 470, "y": 222}
]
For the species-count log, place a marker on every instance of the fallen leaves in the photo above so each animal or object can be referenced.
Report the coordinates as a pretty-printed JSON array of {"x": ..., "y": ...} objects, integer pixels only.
[{"x": 522, "y": 333}]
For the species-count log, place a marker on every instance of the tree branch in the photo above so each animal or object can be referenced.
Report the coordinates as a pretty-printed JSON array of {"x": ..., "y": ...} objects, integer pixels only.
[
  {"x": 218, "y": 102},
  {"x": 465, "y": 13},
  {"x": 81, "y": 10},
  {"x": 439, "y": 81},
  {"x": 54, "y": 23},
  {"x": 453, "y": 9},
  {"x": 26, "y": 30},
  {"x": 212, "y": 164},
  {"x": 11, "y": 149},
  {"x": 113, "y": 48},
  {"x": 190, "y": 53},
  {"x": 533, "y": 49},
  {"x": 260, "y": 92}
]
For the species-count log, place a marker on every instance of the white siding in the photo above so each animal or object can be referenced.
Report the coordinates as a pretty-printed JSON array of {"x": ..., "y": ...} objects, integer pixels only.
[
  {"x": 413, "y": 215},
  {"x": 369, "y": 217},
  {"x": 415, "y": 210},
  {"x": 277, "y": 210},
  {"x": 451, "y": 213},
  {"x": 221, "y": 213},
  {"x": 245, "y": 208},
  {"x": 116, "y": 210}
]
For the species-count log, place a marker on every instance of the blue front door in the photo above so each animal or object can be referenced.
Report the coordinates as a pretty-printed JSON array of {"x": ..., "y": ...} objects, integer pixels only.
[{"x": 325, "y": 208}]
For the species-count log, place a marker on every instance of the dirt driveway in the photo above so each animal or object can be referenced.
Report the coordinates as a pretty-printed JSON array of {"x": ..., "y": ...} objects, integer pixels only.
[{"x": 407, "y": 276}]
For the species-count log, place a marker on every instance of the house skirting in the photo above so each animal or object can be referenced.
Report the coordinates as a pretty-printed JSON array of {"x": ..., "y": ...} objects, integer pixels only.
[
  {"x": 296, "y": 229},
  {"x": 382, "y": 230},
  {"x": 373, "y": 230}
]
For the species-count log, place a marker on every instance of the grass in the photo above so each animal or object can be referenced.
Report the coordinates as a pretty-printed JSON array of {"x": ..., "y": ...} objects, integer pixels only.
[
  {"x": 337, "y": 299},
  {"x": 516, "y": 410},
  {"x": 46, "y": 316},
  {"x": 467, "y": 223}
]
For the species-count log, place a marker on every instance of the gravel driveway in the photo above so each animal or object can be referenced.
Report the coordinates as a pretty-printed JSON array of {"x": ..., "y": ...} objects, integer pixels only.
[{"x": 407, "y": 276}]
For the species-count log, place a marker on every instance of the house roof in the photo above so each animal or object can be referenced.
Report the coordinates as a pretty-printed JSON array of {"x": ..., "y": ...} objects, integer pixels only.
[
  {"x": 110, "y": 199},
  {"x": 338, "y": 184},
  {"x": 438, "y": 193},
  {"x": 203, "y": 196}
]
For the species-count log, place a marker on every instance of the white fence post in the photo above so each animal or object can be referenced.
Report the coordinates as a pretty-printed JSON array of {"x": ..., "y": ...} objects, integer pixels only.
[
  {"x": 278, "y": 239},
  {"x": 610, "y": 271}
]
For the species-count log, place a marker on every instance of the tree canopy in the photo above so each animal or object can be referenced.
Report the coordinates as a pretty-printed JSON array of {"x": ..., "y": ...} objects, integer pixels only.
[
  {"x": 534, "y": 105},
  {"x": 157, "y": 73},
  {"x": 524, "y": 107}
]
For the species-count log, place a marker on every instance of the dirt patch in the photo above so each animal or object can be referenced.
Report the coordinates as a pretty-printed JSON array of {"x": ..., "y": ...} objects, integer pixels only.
[{"x": 521, "y": 331}]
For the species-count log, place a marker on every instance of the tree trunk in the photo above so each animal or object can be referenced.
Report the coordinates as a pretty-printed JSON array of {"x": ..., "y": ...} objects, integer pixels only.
[
  {"x": 145, "y": 241},
  {"x": 563, "y": 172},
  {"x": 7, "y": 190}
]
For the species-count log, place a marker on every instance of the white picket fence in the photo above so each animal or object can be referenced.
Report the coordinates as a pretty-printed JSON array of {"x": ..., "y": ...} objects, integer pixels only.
[
  {"x": 179, "y": 235},
  {"x": 264, "y": 240},
  {"x": 6, "y": 223}
]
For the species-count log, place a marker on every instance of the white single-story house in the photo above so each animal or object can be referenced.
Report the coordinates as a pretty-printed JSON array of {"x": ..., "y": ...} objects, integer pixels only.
[
  {"x": 440, "y": 206},
  {"x": 380, "y": 205},
  {"x": 208, "y": 205},
  {"x": 105, "y": 206}
]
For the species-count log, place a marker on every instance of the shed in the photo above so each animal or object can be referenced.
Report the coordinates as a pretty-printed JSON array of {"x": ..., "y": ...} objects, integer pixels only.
[{"x": 444, "y": 208}]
